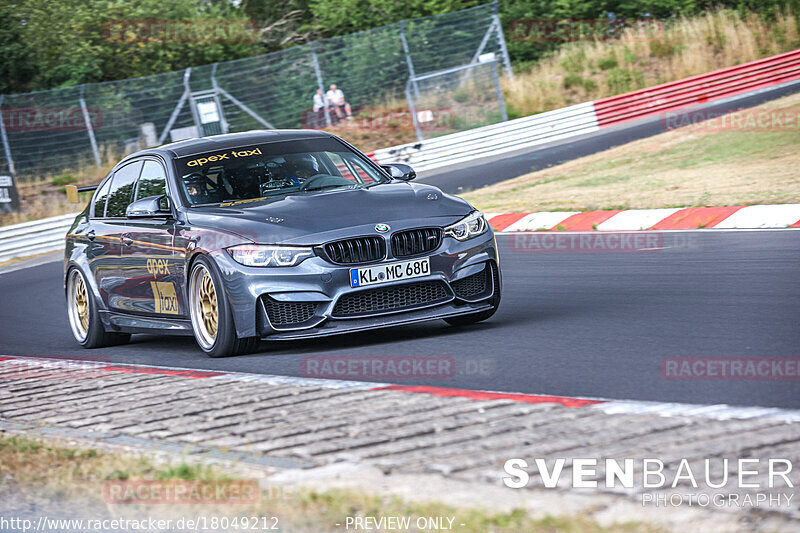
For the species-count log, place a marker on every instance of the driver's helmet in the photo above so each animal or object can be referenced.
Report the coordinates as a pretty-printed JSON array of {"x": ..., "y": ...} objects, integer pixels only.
[
  {"x": 195, "y": 189},
  {"x": 302, "y": 166}
]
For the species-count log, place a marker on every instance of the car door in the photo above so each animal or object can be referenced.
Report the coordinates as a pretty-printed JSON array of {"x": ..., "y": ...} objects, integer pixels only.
[
  {"x": 154, "y": 279},
  {"x": 114, "y": 281},
  {"x": 102, "y": 246}
]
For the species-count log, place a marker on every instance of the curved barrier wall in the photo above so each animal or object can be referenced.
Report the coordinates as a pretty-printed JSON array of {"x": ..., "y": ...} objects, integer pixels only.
[{"x": 591, "y": 116}]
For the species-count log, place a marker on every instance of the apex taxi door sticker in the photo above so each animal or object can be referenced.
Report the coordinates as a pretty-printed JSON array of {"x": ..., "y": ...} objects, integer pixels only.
[
  {"x": 165, "y": 298},
  {"x": 199, "y": 162},
  {"x": 158, "y": 266}
]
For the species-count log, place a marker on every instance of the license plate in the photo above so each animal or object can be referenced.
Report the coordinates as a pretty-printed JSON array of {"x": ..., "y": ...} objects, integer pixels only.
[{"x": 360, "y": 277}]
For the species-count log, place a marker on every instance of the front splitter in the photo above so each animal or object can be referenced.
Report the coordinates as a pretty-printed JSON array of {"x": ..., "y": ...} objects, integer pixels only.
[{"x": 352, "y": 325}]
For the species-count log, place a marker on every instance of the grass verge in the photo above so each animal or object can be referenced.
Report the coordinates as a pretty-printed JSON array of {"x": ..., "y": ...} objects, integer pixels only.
[
  {"x": 691, "y": 166},
  {"x": 38, "y": 478},
  {"x": 647, "y": 56}
]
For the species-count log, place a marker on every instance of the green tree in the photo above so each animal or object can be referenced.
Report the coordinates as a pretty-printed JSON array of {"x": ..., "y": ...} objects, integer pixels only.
[
  {"x": 17, "y": 64},
  {"x": 338, "y": 17},
  {"x": 60, "y": 43},
  {"x": 70, "y": 43}
]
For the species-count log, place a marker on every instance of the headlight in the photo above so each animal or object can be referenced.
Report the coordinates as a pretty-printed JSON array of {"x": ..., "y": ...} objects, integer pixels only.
[
  {"x": 466, "y": 228},
  {"x": 263, "y": 255}
]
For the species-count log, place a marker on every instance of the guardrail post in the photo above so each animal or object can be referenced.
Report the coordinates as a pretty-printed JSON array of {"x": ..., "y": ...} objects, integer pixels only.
[
  {"x": 175, "y": 112},
  {"x": 6, "y": 146},
  {"x": 320, "y": 85},
  {"x": 503, "y": 112},
  {"x": 413, "y": 113},
  {"x": 90, "y": 129},
  {"x": 502, "y": 40},
  {"x": 222, "y": 121},
  {"x": 412, "y": 74}
]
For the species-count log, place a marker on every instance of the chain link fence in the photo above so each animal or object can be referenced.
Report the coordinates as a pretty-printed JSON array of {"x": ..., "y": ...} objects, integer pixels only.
[
  {"x": 430, "y": 66},
  {"x": 455, "y": 99}
]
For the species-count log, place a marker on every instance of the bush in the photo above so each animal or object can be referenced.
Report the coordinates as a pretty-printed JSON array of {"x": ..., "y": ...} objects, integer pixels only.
[
  {"x": 629, "y": 56},
  {"x": 573, "y": 80},
  {"x": 620, "y": 80},
  {"x": 574, "y": 62},
  {"x": 589, "y": 85},
  {"x": 63, "y": 179},
  {"x": 662, "y": 49},
  {"x": 460, "y": 96},
  {"x": 513, "y": 112},
  {"x": 608, "y": 63}
]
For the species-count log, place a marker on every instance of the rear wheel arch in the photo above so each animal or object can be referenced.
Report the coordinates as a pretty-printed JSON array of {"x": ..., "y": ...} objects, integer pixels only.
[
  {"x": 91, "y": 333},
  {"x": 88, "y": 278}
]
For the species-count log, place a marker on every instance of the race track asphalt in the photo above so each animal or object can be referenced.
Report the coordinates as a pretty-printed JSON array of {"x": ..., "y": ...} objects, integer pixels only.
[{"x": 591, "y": 323}]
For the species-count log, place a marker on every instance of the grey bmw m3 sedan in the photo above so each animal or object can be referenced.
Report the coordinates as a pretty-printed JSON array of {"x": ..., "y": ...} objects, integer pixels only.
[{"x": 271, "y": 235}]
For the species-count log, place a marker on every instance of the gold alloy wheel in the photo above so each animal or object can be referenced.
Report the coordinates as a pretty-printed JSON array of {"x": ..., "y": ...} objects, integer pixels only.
[
  {"x": 82, "y": 303},
  {"x": 204, "y": 307},
  {"x": 78, "y": 305},
  {"x": 208, "y": 304}
]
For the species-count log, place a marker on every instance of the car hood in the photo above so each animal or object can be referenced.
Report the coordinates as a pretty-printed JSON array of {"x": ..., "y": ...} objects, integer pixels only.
[{"x": 318, "y": 217}]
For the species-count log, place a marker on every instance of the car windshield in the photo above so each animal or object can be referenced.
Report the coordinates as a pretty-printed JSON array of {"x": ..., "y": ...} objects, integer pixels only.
[{"x": 258, "y": 172}]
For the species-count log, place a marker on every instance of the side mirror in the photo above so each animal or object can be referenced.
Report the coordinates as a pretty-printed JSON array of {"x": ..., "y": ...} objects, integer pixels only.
[
  {"x": 72, "y": 194},
  {"x": 150, "y": 207},
  {"x": 399, "y": 171}
]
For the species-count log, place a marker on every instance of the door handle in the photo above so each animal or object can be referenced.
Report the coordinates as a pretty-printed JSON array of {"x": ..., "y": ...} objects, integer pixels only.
[
  {"x": 90, "y": 234},
  {"x": 127, "y": 240}
]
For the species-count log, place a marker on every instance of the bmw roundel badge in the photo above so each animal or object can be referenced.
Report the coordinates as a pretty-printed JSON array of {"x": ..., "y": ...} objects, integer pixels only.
[{"x": 382, "y": 228}]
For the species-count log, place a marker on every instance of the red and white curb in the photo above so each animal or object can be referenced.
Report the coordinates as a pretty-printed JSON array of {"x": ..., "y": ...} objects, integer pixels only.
[
  {"x": 608, "y": 406},
  {"x": 688, "y": 218}
]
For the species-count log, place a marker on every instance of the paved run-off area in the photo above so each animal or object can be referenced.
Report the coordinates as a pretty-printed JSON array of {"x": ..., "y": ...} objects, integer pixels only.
[{"x": 329, "y": 432}]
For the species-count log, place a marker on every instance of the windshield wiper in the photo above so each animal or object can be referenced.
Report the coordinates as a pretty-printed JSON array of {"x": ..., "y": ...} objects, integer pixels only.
[{"x": 329, "y": 186}]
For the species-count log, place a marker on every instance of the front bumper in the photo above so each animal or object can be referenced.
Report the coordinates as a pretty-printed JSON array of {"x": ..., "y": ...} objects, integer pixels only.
[{"x": 315, "y": 298}]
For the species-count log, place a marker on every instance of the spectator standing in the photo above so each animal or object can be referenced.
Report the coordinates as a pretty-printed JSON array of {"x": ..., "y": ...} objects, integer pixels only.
[
  {"x": 320, "y": 105},
  {"x": 336, "y": 99}
]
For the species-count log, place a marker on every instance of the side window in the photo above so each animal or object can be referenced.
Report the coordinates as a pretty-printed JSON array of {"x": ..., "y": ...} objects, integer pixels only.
[
  {"x": 152, "y": 182},
  {"x": 100, "y": 198},
  {"x": 122, "y": 189},
  {"x": 366, "y": 174},
  {"x": 341, "y": 166}
]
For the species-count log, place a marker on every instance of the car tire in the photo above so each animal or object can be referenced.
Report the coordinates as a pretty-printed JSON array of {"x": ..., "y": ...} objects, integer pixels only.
[
  {"x": 474, "y": 318},
  {"x": 212, "y": 320},
  {"x": 84, "y": 318}
]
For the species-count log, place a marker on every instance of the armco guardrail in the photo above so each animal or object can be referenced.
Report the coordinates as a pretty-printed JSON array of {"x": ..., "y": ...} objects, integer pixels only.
[
  {"x": 698, "y": 89},
  {"x": 495, "y": 139},
  {"x": 591, "y": 116},
  {"x": 30, "y": 238}
]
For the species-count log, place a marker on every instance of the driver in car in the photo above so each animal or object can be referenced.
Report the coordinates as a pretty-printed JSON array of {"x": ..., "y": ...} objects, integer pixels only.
[
  {"x": 301, "y": 167},
  {"x": 197, "y": 190},
  {"x": 194, "y": 190}
]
